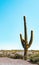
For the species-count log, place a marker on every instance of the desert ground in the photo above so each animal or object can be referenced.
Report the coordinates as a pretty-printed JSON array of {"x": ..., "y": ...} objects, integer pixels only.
[{"x": 8, "y": 61}]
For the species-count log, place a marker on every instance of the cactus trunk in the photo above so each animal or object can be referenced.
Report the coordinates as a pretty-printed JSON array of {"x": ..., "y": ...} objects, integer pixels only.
[
  {"x": 25, "y": 41},
  {"x": 25, "y": 54},
  {"x": 25, "y": 36}
]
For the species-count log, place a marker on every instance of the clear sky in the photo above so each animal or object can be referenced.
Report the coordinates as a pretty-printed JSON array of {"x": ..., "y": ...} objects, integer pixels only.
[{"x": 12, "y": 24}]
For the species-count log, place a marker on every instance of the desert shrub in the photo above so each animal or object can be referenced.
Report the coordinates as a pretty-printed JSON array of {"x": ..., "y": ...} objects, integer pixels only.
[
  {"x": 35, "y": 58},
  {"x": 1, "y": 55},
  {"x": 16, "y": 56}
]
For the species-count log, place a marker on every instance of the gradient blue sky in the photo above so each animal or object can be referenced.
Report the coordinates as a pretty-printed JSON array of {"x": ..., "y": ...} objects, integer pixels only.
[{"x": 11, "y": 22}]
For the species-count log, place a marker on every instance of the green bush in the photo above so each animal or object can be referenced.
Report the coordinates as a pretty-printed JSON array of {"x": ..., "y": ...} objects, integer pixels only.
[{"x": 34, "y": 58}]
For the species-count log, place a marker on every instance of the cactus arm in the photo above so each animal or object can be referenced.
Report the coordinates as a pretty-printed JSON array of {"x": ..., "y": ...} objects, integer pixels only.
[
  {"x": 21, "y": 37},
  {"x": 22, "y": 41},
  {"x": 31, "y": 39}
]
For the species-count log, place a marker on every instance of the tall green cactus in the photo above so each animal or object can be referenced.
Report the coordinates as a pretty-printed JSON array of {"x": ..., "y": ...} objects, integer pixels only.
[{"x": 24, "y": 41}]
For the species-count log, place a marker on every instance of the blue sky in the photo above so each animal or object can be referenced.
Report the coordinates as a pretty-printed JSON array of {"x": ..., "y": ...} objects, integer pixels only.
[{"x": 11, "y": 23}]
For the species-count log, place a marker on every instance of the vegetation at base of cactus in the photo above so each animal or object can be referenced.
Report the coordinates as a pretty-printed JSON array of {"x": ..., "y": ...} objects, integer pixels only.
[{"x": 25, "y": 41}]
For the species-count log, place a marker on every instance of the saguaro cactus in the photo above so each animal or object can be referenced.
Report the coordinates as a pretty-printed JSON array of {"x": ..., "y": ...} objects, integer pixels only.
[{"x": 24, "y": 41}]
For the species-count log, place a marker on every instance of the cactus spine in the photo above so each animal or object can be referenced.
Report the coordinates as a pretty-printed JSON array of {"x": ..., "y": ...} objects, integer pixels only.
[{"x": 24, "y": 41}]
